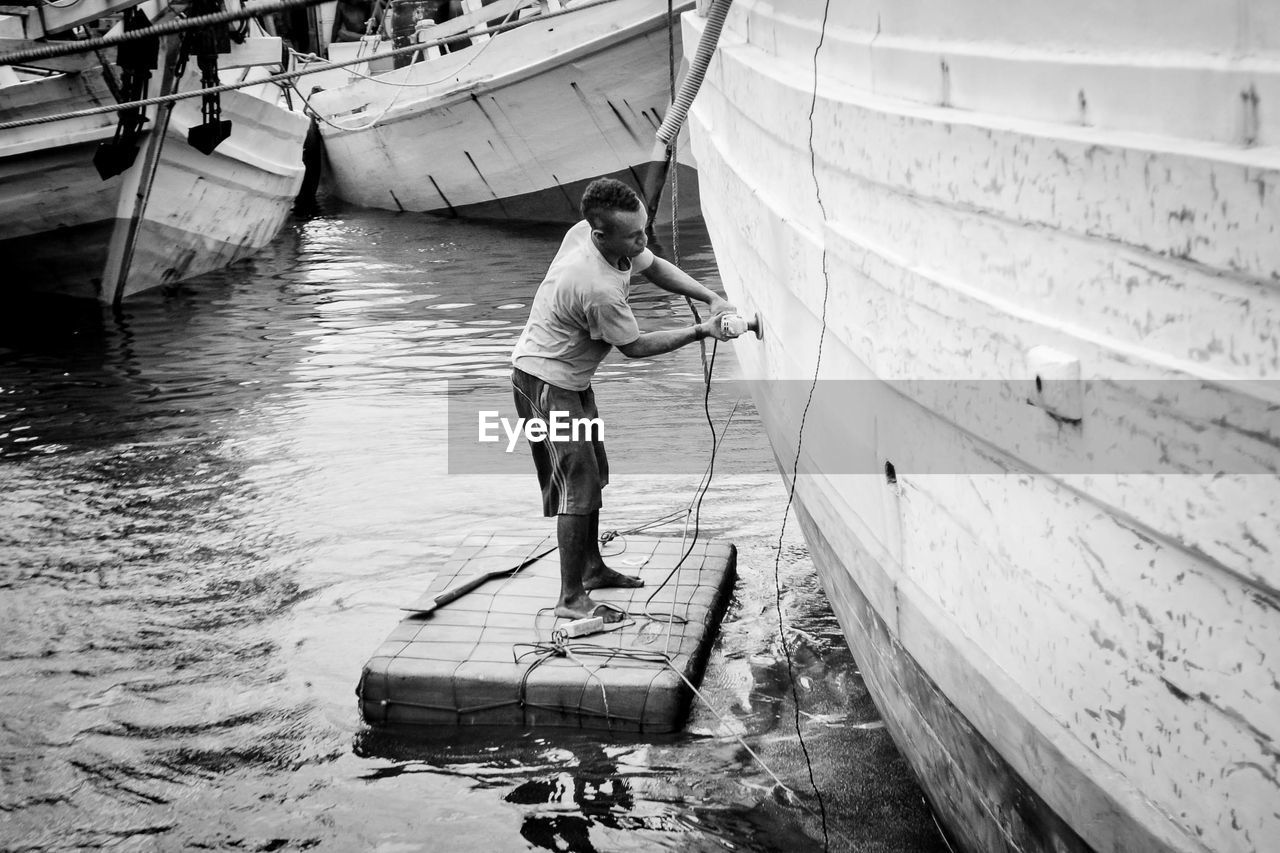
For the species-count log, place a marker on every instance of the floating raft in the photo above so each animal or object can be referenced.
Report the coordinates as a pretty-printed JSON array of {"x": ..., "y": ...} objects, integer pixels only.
[{"x": 488, "y": 658}]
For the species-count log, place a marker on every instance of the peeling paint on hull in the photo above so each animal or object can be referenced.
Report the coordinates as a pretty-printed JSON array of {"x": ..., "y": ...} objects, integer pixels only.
[{"x": 1071, "y": 656}]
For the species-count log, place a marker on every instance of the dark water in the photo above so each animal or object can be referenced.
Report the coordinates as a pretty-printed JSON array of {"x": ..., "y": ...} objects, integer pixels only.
[{"x": 214, "y": 502}]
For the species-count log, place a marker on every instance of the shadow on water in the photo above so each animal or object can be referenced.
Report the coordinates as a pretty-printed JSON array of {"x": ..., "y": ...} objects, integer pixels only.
[{"x": 583, "y": 792}]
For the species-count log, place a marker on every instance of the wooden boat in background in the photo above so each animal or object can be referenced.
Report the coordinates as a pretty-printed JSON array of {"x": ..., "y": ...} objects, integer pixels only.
[
  {"x": 1069, "y": 611},
  {"x": 175, "y": 213},
  {"x": 513, "y": 126}
]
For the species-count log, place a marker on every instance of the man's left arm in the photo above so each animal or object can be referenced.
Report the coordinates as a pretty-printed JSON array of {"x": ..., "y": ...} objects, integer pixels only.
[{"x": 672, "y": 279}]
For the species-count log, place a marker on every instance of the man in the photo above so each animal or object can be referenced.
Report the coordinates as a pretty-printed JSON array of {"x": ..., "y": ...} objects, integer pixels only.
[
  {"x": 579, "y": 313},
  {"x": 351, "y": 19}
]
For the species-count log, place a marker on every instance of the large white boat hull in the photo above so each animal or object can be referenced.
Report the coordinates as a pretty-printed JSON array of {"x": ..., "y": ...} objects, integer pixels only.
[
  {"x": 1069, "y": 611},
  {"x": 513, "y": 128}
]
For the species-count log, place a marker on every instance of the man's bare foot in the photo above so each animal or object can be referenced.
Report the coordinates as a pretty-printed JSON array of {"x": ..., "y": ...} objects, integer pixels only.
[
  {"x": 584, "y": 607},
  {"x": 604, "y": 576}
]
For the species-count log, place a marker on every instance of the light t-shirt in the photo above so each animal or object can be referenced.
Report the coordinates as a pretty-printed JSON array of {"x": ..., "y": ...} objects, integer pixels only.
[{"x": 579, "y": 313}]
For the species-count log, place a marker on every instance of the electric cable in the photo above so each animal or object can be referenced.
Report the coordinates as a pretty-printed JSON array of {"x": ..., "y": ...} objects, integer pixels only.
[
  {"x": 694, "y": 509},
  {"x": 795, "y": 467},
  {"x": 706, "y": 484},
  {"x": 708, "y": 365}
]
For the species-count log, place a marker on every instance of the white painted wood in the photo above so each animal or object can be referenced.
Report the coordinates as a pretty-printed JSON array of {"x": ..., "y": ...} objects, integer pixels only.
[
  {"x": 58, "y": 17},
  {"x": 64, "y": 191},
  {"x": 28, "y": 21},
  {"x": 1100, "y": 604},
  {"x": 261, "y": 50},
  {"x": 1035, "y": 60}
]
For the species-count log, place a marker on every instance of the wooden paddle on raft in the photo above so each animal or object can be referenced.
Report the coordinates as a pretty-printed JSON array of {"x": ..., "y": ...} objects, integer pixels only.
[{"x": 426, "y": 605}]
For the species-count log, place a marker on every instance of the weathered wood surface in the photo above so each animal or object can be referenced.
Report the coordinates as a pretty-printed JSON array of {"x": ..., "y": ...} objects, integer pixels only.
[
  {"x": 533, "y": 110},
  {"x": 59, "y": 17},
  {"x": 50, "y": 96},
  {"x": 1100, "y": 600}
]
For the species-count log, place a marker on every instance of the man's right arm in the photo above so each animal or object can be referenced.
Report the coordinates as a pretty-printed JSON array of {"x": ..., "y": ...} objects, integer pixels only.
[{"x": 669, "y": 340}]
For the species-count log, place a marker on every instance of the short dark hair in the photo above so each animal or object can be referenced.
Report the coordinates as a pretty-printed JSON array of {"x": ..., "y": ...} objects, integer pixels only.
[{"x": 605, "y": 194}]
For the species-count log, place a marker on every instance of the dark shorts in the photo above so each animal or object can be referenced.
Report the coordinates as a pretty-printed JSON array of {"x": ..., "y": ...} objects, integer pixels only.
[{"x": 571, "y": 473}]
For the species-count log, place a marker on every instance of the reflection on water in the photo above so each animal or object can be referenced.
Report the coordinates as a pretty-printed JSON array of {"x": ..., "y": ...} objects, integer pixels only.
[{"x": 215, "y": 501}]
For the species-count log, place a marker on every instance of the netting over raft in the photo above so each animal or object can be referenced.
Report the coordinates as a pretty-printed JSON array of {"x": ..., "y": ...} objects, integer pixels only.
[{"x": 488, "y": 657}]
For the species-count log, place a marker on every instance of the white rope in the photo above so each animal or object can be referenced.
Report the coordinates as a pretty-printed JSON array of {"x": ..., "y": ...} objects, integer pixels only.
[
  {"x": 729, "y": 728},
  {"x": 377, "y": 118},
  {"x": 592, "y": 673}
]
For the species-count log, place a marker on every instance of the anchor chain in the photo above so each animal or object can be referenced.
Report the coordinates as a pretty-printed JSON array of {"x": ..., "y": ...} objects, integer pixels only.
[
  {"x": 137, "y": 59},
  {"x": 206, "y": 43}
]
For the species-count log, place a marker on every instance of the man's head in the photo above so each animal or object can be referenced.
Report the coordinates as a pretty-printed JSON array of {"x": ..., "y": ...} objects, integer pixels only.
[{"x": 617, "y": 217}]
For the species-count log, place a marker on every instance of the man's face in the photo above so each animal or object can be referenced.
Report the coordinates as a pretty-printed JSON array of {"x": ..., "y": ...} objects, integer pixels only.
[{"x": 623, "y": 232}]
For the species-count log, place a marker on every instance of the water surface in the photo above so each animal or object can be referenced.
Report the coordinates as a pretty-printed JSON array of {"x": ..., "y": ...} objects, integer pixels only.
[{"x": 215, "y": 501}]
